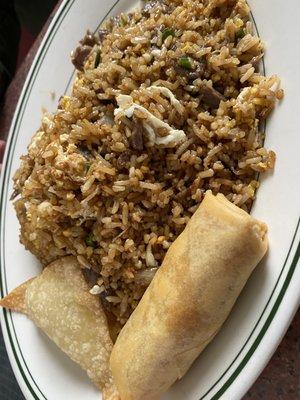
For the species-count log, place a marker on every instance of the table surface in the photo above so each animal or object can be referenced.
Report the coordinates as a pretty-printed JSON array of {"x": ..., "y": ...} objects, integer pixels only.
[{"x": 280, "y": 379}]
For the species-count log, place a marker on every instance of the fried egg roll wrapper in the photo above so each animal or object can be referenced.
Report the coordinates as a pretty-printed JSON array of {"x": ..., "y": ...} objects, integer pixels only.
[
  {"x": 58, "y": 301},
  {"x": 189, "y": 298}
]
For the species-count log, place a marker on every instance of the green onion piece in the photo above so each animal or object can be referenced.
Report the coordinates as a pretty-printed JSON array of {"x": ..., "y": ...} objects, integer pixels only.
[
  {"x": 167, "y": 32},
  {"x": 123, "y": 20},
  {"x": 97, "y": 59},
  {"x": 87, "y": 167},
  {"x": 240, "y": 34},
  {"x": 90, "y": 241},
  {"x": 185, "y": 62}
]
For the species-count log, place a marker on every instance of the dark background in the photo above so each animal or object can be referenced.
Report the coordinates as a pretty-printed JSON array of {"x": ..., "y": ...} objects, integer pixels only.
[{"x": 22, "y": 26}]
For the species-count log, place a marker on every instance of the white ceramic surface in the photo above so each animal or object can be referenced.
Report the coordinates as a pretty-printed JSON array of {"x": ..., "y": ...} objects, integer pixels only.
[{"x": 263, "y": 312}]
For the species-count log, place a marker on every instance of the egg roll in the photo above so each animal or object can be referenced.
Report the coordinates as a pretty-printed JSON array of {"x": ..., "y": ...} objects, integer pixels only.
[
  {"x": 59, "y": 302},
  {"x": 189, "y": 298}
]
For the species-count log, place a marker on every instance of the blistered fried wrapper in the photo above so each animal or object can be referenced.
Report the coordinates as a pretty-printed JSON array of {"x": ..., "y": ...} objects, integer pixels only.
[
  {"x": 58, "y": 301},
  {"x": 188, "y": 299}
]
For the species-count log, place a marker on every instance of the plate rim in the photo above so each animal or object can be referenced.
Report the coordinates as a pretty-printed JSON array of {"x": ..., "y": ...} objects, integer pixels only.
[{"x": 11, "y": 342}]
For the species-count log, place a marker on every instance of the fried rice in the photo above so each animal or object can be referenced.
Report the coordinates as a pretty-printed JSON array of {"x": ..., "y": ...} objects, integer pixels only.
[{"x": 168, "y": 104}]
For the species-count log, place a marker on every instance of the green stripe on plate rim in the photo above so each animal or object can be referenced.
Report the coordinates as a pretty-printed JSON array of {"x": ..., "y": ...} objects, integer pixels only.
[{"x": 6, "y": 172}]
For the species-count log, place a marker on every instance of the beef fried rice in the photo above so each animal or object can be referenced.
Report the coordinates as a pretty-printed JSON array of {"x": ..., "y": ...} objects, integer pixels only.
[{"x": 168, "y": 103}]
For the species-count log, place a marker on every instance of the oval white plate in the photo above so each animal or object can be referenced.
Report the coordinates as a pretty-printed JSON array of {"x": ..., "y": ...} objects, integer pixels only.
[{"x": 264, "y": 310}]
